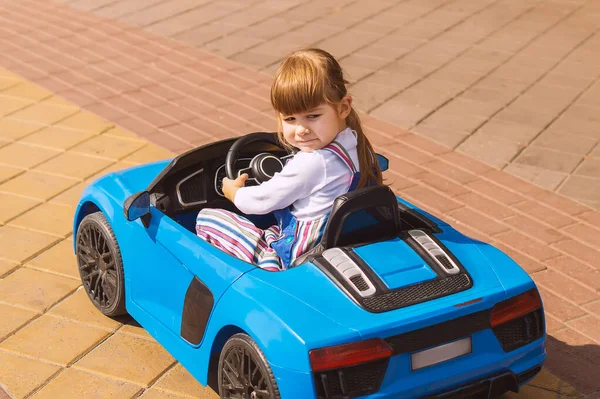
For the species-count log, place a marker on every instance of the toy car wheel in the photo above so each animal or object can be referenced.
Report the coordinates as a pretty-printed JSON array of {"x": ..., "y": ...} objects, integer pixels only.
[
  {"x": 100, "y": 264},
  {"x": 244, "y": 371}
]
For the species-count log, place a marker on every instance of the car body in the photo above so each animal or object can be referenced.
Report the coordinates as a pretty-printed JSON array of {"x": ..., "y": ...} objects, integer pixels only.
[{"x": 319, "y": 332}]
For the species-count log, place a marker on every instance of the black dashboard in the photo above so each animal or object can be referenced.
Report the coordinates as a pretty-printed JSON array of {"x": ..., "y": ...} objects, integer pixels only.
[{"x": 193, "y": 180}]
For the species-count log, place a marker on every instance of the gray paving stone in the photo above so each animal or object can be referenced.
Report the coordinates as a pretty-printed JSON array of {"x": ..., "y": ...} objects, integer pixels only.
[
  {"x": 529, "y": 68},
  {"x": 549, "y": 159},
  {"x": 545, "y": 178},
  {"x": 492, "y": 150}
]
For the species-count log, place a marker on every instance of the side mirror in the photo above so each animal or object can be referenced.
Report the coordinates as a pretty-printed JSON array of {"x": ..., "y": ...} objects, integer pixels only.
[
  {"x": 137, "y": 206},
  {"x": 383, "y": 162}
]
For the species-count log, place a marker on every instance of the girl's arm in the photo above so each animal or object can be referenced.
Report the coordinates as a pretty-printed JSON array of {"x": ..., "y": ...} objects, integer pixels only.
[{"x": 298, "y": 179}]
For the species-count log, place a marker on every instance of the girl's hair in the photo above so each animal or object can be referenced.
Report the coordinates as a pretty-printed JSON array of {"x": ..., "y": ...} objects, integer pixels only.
[{"x": 306, "y": 79}]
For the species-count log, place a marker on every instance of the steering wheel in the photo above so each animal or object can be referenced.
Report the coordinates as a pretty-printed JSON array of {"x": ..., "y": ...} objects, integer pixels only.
[{"x": 262, "y": 167}]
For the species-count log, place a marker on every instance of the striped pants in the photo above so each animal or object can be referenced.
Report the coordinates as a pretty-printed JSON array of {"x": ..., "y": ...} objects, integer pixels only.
[{"x": 239, "y": 237}]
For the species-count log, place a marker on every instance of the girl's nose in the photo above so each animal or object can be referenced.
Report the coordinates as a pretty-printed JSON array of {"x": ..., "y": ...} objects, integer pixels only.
[{"x": 301, "y": 130}]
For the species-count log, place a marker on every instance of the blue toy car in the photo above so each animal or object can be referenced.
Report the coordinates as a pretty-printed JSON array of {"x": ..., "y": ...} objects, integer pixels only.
[{"x": 393, "y": 302}]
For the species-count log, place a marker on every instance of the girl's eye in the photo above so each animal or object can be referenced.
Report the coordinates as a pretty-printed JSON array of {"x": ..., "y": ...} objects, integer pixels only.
[
  {"x": 313, "y": 116},
  {"x": 289, "y": 119}
]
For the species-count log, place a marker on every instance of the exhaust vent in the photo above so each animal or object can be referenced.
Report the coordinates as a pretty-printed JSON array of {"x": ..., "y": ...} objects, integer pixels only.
[
  {"x": 350, "y": 271},
  {"x": 435, "y": 252}
]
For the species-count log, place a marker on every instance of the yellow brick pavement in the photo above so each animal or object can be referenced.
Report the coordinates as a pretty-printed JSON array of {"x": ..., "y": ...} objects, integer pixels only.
[{"x": 53, "y": 342}]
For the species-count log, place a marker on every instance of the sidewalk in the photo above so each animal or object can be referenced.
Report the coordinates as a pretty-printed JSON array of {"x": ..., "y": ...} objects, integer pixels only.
[
  {"x": 513, "y": 83},
  {"x": 178, "y": 97},
  {"x": 53, "y": 342}
]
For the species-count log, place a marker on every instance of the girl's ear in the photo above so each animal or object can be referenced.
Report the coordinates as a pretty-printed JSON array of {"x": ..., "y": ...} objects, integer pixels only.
[{"x": 345, "y": 106}]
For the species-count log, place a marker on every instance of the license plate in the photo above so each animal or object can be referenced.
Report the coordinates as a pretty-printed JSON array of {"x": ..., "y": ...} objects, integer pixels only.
[{"x": 441, "y": 353}]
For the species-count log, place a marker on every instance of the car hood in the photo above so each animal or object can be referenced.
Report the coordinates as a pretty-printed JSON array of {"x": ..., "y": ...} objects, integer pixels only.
[
  {"x": 399, "y": 266},
  {"x": 130, "y": 180}
]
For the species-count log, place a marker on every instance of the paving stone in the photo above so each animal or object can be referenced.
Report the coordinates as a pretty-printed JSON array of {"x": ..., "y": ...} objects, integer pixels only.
[
  {"x": 562, "y": 309},
  {"x": 544, "y": 178},
  {"x": 63, "y": 341},
  {"x": 20, "y": 376},
  {"x": 494, "y": 151},
  {"x": 544, "y": 214},
  {"x": 553, "y": 324},
  {"x": 11, "y": 105},
  {"x": 33, "y": 289},
  {"x": 431, "y": 200},
  {"x": 43, "y": 113},
  {"x": 534, "y": 228},
  {"x": 580, "y": 188},
  {"x": 128, "y": 358},
  {"x": 132, "y": 328},
  {"x": 565, "y": 287},
  {"x": 36, "y": 185},
  {"x": 71, "y": 196},
  {"x": 563, "y": 141},
  {"x": 448, "y": 136},
  {"x": 574, "y": 339},
  {"x": 79, "y": 308},
  {"x": 594, "y": 308},
  {"x": 56, "y": 100},
  {"x": 530, "y": 392},
  {"x": 154, "y": 393},
  {"x": 12, "y": 129},
  {"x": 567, "y": 364},
  {"x": 589, "y": 325},
  {"x": 58, "y": 259},
  {"x": 514, "y": 132},
  {"x": 13, "y": 206},
  {"x": 6, "y": 266},
  {"x": 12, "y": 319},
  {"x": 57, "y": 138},
  {"x": 27, "y": 91},
  {"x": 24, "y": 155},
  {"x": 179, "y": 381},
  {"x": 549, "y": 159},
  {"x": 589, "y": 167},
  {"x": 476, "y": 220},
  {"x": 526, "y": 245},
  {"x": 545, "y": 379},
  {"x": 6, "y": 82},
  {"x": 18, "y": 244},
  {"x": 74, "y": 165},
  {"x": 149, "y": 153},
  {"x": 46, "y": 218},
  {"x": 107, "y": 147},
  {"x": 123, "y": 134},
  {"x": 72, "y": 384},
  {"x": 85, "y": 121},
  {"x": 485, "y": 205}
]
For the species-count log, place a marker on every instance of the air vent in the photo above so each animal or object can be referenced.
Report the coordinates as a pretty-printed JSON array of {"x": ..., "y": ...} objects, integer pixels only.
[
  {"x": 359, "y": 283},
  {"x": 434, "y": 250},
  {"x": 190, "y": 190},
  {"x": 350, "y": 271}
]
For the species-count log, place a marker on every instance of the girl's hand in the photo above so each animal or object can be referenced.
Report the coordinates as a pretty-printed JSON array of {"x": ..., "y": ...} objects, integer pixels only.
[{"x": 230, "y": 187}]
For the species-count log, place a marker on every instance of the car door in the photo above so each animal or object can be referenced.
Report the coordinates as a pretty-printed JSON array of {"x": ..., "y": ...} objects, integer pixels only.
[{"x": 180, "y": 278}]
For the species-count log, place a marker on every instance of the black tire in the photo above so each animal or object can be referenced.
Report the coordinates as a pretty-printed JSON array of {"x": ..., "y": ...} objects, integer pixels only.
[
  {"x": 238, "y": 352},
  {"x": 100, "y": 265}
]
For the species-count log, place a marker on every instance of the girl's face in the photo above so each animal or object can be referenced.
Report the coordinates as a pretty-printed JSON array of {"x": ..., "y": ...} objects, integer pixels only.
[{"x": 316, "y": 128}]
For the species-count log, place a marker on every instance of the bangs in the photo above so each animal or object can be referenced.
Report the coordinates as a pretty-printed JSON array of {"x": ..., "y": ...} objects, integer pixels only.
[{"x": 299, "y": 87}]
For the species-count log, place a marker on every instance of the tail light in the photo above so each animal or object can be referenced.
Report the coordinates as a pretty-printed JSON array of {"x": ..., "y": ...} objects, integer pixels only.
[
  {"x": 351, "y": 354},
  {"x": 515, "y": 307}
]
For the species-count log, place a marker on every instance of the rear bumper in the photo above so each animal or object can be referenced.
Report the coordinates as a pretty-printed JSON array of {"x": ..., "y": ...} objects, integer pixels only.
[
  {"x": 487, "y": 359},
  {"x": 489, "y": 386},
  {"x": 445, "y": 378}
]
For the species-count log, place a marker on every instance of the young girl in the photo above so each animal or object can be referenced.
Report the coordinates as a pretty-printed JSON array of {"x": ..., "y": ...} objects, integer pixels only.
[{"x": 316, "y": 119}]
